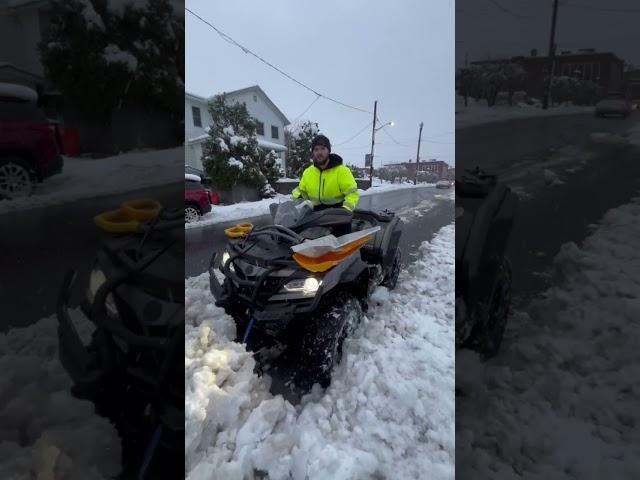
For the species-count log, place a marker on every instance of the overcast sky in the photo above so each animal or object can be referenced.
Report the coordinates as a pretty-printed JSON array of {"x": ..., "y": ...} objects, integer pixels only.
[
  {"x": 499, "y": 28},
  {"x": 400, "y": 53}
]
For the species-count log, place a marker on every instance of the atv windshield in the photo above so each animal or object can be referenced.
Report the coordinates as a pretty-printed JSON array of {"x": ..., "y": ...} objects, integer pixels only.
[{"x": 291, "y": 212}]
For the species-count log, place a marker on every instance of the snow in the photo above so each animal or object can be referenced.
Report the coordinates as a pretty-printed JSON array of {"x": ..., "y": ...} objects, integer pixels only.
[
  {"x": 559, "y": 401},
  {"x": 93, "y": 19},
  {"x": 88, "y": 178},
  {"x": 477, "y": 113},
  {"x": 244, "y": 210},
  {"x": 192, "y": 177},
  {"x": 229, "y": 131},
  {"x": 388, "y": 413},
  {"x": 113, "y": 54},
  {"x": 47, "y": 433},
  {"x": 236, "y": 163},
  {"x": 236, "y": 140},
  {"x": 271, "y": 146},
  {"x": 18, "y": 91}
]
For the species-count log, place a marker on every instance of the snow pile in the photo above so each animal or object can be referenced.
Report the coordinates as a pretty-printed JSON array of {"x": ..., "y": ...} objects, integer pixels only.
[
  {"x": 237, "y": 211},
  {"x": 245, "y": 210},
  {"x": 477, "y": 113},
  {"x": 561, "y": 389},
  {"x": 87, "y": 178},
  {"x": 113, "y": 54},
  {"x": 388, "y": 413},
  {"x": 46, "y": 432}
]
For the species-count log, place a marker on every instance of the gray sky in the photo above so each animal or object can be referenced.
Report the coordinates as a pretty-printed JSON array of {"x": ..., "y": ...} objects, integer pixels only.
[
  {"x": 400, "y": 53},
  {"x": 496, "y": 27}
]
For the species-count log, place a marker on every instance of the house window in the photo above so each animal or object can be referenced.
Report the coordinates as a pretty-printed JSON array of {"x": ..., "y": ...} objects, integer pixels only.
[
  {"x": 255, "y": 98},
  {"x": 260, "y": 128},
  {"x": 274, "y": 132},
  {"x": 197, "y": 121}
]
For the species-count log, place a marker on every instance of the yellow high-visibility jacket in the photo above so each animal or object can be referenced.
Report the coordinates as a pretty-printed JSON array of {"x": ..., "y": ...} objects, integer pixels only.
[{"x": 334, "y": 186}]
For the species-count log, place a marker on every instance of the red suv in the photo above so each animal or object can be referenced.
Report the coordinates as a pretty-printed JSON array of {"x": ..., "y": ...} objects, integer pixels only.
[
  {"x": 29, "y": 143},
  {"x": 197, "y": 199}
]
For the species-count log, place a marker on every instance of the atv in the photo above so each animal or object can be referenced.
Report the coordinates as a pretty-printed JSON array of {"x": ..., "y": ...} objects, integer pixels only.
[
  {"x": 132, "y": 369},
  {"x": 485, "y": 212},
  {"x": 279, "y": 296}
]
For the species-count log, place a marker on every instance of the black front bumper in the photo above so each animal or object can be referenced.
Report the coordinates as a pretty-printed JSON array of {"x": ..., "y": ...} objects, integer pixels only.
[{"x": 227, "y": 295}]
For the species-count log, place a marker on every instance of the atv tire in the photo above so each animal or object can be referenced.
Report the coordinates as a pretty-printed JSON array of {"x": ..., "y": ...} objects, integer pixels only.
[
  {"x": 391, "y": 279},
  {"x": 322, "y": 340},
  {"x": 487, "y": 335}
]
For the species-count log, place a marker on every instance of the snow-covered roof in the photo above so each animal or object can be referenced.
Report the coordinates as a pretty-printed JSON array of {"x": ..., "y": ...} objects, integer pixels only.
[
  {"x": 261, "y": 143},
  {"x": 192, "y": 177},
  {"x": 270, "y": 145},
  {"x": 18, "y": 91},
  {"x": 254, "y": 88}
]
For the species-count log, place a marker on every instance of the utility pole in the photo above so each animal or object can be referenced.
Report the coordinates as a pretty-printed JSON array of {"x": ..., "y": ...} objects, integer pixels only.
[
  {"x": 415, "y": 178},
  {"x": 373, "y": 141},
  {"x": 552, "y": 51}
]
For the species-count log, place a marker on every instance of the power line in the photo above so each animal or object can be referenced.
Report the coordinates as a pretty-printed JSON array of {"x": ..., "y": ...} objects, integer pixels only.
[
  {"x": 354, "y": 136},
  {"x": 230, "y": 40},
  {"x": 384, "y": 129},
  {"x": 306, "y": 109}
]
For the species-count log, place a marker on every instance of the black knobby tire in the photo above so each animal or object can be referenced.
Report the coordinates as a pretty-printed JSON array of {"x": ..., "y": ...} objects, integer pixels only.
[
  {"x": 494, "y": 313},
  {"x": 391, "y": 279},
  {"x": 323, "y": 337}
]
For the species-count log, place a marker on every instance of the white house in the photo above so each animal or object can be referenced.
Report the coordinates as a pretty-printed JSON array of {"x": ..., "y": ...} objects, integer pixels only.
[{"x": 271, "y": 122}]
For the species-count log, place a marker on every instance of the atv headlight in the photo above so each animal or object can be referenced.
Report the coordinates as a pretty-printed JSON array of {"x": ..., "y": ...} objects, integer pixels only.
[
  {"x": 96, "y": 280},
  {"x": 225, "y": 257},
  {"x": 308, "y": 286}
]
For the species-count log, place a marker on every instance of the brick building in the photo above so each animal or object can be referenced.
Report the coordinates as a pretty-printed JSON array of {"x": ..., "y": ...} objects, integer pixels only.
[{"x": 602, "y": 68}]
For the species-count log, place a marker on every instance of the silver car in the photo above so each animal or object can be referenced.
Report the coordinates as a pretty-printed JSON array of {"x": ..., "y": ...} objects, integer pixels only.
[
  {"x": 443, "y": 184},
  {"x": 613, "y": 104}
]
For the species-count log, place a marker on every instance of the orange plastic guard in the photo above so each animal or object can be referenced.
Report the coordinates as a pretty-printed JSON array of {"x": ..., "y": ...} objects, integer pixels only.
[
  {"x": 239, "y": 230},
  {"x": 331, "y": 259},
  {"x": 115, "y": 221},
  {"x": 141, "y": 210}
]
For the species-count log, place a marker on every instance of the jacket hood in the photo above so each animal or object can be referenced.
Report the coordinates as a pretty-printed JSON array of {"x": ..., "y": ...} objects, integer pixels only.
[{"x": 334, "y": 161}]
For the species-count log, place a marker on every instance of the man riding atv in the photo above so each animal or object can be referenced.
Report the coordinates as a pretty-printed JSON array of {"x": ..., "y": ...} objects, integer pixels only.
[{"x": 333, "y": 182}]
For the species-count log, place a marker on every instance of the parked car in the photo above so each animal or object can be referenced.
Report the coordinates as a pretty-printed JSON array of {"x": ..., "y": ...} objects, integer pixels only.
[
  {"x": 30, "y": 148},
  {"x": 444, "y": 183},
  {"x": 614, "y": 104},
  {"x": 197, "y": 199},
  {"x": 204, "y": 179}
]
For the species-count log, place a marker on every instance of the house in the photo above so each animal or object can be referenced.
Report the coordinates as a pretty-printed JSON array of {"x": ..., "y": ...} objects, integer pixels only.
[
  {"x": 605, "y": 69},
  {"x": 23, "y": 23},
  {"x": 271, "y": 122}
]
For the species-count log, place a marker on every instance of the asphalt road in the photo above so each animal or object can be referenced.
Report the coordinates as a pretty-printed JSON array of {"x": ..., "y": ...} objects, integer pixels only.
[
  {"x": 595, "y": 178},
  {"x": 424, "y": 211},
  {"x": 38, "y": 246}
]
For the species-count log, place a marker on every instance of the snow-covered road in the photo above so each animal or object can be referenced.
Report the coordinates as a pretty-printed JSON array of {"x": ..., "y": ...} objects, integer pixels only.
[
  {"x": 389, "y": 412},
  {"x": 560, "y": 400}
]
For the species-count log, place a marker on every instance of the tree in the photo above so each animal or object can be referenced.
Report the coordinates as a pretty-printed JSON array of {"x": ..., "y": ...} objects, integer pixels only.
[
  {"x": 104, "y": 57},
  {"x": 299, "y": 148},
  {"x": 514, "y": 78},
  {"x": 231, "y": 154}
]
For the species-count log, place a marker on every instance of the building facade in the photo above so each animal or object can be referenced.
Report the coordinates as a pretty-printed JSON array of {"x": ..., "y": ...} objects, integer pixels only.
[
  {"x": 271, "y": 122},
  {"x": 604, "y": 69}
]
